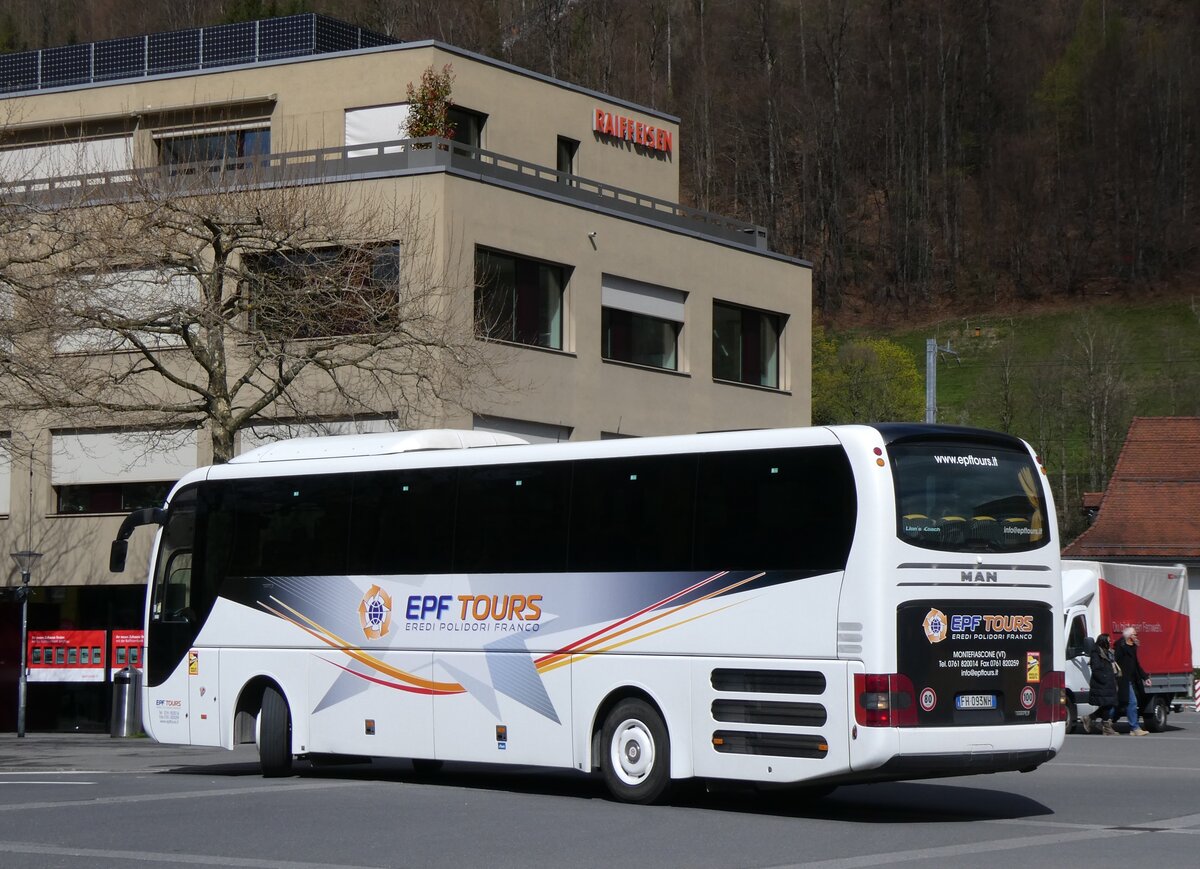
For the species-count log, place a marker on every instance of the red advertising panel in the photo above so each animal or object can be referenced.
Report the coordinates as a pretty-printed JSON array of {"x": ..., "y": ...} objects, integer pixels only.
[
  {"x": 126, "y": 649},
  {"x": 1161, "y": 618},
  {"x": 66, "y": 656}
]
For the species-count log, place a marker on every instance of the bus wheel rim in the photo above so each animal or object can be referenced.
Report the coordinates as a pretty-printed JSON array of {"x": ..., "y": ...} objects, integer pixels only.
[{"x": 632, "y": 751}]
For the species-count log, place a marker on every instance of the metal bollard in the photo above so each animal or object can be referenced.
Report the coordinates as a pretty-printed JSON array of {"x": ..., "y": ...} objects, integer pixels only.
[{"x": 127, "y": 703}]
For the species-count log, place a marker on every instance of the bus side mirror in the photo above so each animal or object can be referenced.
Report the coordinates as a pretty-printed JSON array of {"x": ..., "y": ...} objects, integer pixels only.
[
  {"x": 116, "y": 556},
  {"x": 120, "y": 546}
]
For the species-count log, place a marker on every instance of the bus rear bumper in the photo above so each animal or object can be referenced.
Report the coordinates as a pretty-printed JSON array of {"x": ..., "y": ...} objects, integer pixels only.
[
  {"x": 913, "y": 766},
  {"x": 891, "y": 754}
]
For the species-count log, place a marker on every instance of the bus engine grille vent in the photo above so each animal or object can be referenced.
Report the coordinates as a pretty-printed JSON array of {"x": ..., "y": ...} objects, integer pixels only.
[
  {"x": 773, "y": 744},
  {"x": 769, "y": 712},
  {"x": 769, "y": 681}
]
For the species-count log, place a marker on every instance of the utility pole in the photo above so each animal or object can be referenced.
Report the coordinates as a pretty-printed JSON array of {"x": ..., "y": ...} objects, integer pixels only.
[{"x": 931, "y": 351}]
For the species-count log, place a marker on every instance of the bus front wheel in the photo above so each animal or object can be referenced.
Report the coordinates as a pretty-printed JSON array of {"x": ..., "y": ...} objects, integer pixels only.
[
  {"x": 635, "y": 752},
  {"x": 274, "y": 734}
]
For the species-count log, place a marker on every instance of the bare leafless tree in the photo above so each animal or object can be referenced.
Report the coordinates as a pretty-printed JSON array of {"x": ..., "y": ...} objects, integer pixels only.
[{"x": 214, "y": 297}]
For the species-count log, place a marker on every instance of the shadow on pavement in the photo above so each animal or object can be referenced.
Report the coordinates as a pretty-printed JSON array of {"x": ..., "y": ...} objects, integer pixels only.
[{"x": 885, "y": 803}]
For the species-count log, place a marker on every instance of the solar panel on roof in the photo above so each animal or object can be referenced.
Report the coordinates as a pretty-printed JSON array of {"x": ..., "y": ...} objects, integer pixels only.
[
  {"x": 229, "y": 44},
  {"x": 285, "y": 37},
  {"x": 182, "y": 50},
  {"x": 119, "y": 58},
  {"x": 66, "y": 65},
  {"x": 18, "y": 72},
  {"x": 333, "y": 35},
  {"x": 173, "y": 52}
]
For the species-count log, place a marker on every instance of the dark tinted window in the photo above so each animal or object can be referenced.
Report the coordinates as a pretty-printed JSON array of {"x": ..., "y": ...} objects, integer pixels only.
[
  {"x": 403, "y": 522},
  {"x": 968, "y": 497},
  {"x": 512, "y": 518},
  {"x": 633, "y": 514},
  {"x": 288, "y": 526},
  {"x": 775, "y": 509}
]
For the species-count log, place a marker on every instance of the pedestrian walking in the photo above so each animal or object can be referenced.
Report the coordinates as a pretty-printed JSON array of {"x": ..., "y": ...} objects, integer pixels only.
[
  {"x": 1102, "y": 689},
  {"x": 1131, "y": 678}
]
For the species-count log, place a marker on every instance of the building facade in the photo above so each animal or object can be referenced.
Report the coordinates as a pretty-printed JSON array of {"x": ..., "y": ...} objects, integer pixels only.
[{"x": 617, "y": 310}]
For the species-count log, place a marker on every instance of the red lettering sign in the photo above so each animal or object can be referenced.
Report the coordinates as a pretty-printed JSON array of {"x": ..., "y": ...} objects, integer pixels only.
[{"x": 645, "y": 135}]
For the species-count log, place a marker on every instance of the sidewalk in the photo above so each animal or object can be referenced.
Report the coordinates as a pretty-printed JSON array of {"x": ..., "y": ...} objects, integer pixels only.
[{"x": 99, "y": 752}]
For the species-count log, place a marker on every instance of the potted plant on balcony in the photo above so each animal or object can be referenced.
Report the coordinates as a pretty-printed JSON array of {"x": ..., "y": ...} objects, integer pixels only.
[{"x": 429, "y": 110}]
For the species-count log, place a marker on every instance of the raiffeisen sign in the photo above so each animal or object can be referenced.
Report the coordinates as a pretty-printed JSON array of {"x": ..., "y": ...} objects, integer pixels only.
[{"x": 618, "y": 126}]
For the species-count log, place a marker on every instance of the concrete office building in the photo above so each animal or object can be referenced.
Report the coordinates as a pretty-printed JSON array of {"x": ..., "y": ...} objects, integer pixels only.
[{"x": 630, "y": 314}]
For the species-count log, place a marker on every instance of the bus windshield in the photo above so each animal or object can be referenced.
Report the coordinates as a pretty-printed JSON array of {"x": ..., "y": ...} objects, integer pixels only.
[{"x": 968, "y": 497}]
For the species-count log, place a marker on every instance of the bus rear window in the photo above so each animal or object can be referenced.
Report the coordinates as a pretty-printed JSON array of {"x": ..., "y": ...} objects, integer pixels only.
[{"x": 968, "y": 497}]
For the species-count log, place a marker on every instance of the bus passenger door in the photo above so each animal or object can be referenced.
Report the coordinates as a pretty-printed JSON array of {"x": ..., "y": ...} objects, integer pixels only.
[{"x": 203, "y": 702}]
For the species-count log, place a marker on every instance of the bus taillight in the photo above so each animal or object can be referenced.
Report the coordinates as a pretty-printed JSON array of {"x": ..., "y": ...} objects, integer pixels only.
[
  {"x": 884, "y": 700},
  {"x": 1052, "y": 704}
]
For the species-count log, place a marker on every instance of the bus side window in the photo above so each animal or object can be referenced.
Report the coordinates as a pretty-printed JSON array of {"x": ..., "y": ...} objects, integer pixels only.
[{"x": 174, "y": 600}]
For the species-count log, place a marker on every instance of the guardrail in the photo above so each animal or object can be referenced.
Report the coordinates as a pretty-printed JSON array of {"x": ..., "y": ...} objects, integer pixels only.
[{"x": 382, "y": 160}]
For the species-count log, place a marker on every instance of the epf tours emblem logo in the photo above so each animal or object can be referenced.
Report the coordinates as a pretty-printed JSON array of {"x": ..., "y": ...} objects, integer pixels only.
[
  {"x": 375, "y": 613},
  {"x": 935, "y": 626}
]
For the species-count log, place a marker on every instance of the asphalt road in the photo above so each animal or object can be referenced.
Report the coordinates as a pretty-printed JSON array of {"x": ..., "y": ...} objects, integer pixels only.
[{"x": 90, "y": 801}]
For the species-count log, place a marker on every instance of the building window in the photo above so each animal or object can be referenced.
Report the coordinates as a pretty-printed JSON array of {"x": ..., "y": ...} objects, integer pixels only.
[
  {"x": 136, "y": 298},
  {"x": 640, "y": 323},
  {"x": 376, "y": 124},
  {"x": 116, "y": 472},
  {"x": 468, "y": 126},
  {"x": 746, "y": 345},
  {"x": 533, "y": 432},
  {"x": 639, "y": 339},
  {"x": 518, "y": 299},
  {"x": 111, "y": 497},
  {"x": 324, "y": 292},
  {"x": 568, "y": 149},
  {"x": 221, "y": 148}
]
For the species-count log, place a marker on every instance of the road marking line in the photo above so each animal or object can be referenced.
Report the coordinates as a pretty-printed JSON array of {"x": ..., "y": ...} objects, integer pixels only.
[
  {"x": 1081, "y": 832},
  {"x": 59, "y": 782},
  {"x": 181, "y": 795},
  {"x": 149, "y": 857},
  {"x": 56, "y": 772},
  {"x": 1140, "y": 766},
  {"x": 971, "y": 849}
]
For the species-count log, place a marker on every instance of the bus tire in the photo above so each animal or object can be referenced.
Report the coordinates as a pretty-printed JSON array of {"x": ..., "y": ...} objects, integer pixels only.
[
  {"x": 635, "y": 752},
  {"x": 274, "y": 735}
]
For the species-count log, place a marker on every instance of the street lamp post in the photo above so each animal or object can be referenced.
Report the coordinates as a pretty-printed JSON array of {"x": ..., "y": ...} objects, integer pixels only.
[{"x": 25, "y": 560}]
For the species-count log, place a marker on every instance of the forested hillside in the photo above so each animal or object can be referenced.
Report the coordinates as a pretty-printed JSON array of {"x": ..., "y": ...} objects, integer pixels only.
[
  {"x": 1019, "y": 177},
  {"x": 925, "y": 155}
]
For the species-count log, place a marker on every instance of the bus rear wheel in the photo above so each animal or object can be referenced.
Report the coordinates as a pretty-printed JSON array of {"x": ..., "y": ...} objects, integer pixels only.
[
  {"x": 274, "y": 734},
  {"x": 635, "y": 752}
]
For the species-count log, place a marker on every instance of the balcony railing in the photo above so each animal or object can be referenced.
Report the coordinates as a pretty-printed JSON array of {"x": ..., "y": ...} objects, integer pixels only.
[{"x": 385, "y": 160}]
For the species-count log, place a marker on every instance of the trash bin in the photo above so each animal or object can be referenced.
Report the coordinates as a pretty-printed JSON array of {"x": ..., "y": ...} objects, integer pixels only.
[{"x": 127, "y": 702}]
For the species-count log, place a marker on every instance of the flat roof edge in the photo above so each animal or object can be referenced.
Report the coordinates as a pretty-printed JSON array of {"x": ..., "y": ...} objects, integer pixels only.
[{"x": 311, "y": 58}]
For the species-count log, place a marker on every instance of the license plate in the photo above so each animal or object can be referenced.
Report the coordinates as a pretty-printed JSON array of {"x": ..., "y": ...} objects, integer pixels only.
[{"x": 975, "y": 701}]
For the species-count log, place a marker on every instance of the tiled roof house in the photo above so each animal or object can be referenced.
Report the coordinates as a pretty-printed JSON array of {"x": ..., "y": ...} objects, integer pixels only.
[{"x": 1150, "y": 512}]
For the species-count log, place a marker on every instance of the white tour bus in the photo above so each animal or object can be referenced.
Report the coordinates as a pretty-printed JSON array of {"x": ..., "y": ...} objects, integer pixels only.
[{"x": 798, "y": 606}]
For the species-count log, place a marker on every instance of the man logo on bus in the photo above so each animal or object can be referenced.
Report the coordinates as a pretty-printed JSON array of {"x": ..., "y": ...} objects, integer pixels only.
[
  {"x": 935, "y": 625},
  {"x": 375, "y": 613}
]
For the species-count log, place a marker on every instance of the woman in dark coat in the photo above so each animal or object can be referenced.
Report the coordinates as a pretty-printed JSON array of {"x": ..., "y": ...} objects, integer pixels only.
[{"x": 1102, "y": 688}]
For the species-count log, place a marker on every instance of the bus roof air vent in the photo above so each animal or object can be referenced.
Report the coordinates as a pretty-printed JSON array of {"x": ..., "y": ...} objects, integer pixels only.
[{"x": 349, "y": 446}]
